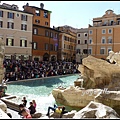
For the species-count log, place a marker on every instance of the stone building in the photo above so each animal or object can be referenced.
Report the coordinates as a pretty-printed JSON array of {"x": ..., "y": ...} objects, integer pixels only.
[
  {"x": 82, "y": 44},
  {"x": 104, "y": 34},
  {"x": 44, "y": 38},
  {"x": 16, "y": 31}
]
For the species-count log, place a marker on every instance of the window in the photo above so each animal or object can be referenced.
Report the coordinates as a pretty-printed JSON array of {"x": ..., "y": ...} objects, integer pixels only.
[
  {"x": 64, "y": 45},
  {"x": 102, "y": 51},
  {"x": 78, "y": 51},
  {"x": 56, "y": 47},
  {"x": 85, "y": 41},
  {"x": 46, "y": 33},
  {"x": 109, "y": 31},
  {"x": 10, "y": 25},
  {"x": 45, "y": 14},
  {"x": 24, "y": 17},
  {"x": 108, "y": 12},
  {"x": 23, "y": 43},
  {"x": 34, "y": 45},
  {"x": 10, "y": 42},
  {"x": 78, "y": 35},
  {"x": 37, "y": 12},
  {"x": 56, "y": 36},
  {"x": 17, "y": 15},
  {"x": 109, "y": 39},
  {"x": 51, "y": 34},
  {"x": 64, "y": 37},
  {"x": 90, "y": 51},
  {"x": 1, "y": 24},
  {"x": 37, "y": 21},
  {"x": 103, "y": 40},
  {"x": 109, "y": 49},
  {"x": 46, "y": 23},
  {"x": 90, "y": 41},
  {"x": 35, "y": 31},
  {"x": 51, "y": 47},
  {"x": 85, "y": 51},
  {"x": 90, "y": 32},
  {"x": 103, "y": 31},
  {"x": 23, "y": 27},
  {"x": 1, "y": 13},
  {"x": 46, "y": 46},
  {"x": 78, "y": 41},
  {"x": 85, "y": 34},
  {"x": 10, "y": 15}
]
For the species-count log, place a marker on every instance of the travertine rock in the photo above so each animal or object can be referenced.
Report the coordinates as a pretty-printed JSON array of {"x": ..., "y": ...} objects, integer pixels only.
[
  {"x": 74, "y": 96},
  {"x": 112, "y": 100},
  {"x": 98, "y": 73},
  {"x": 3, "y": 106},
  {"x": 96, "y": 110}
]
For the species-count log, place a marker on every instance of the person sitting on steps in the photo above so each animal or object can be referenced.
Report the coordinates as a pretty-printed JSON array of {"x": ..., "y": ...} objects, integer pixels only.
[{"x": 57, "y": 109}]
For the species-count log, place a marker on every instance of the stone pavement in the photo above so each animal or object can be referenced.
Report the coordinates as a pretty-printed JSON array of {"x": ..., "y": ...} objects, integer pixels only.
[{"x": 14, "y": 114}]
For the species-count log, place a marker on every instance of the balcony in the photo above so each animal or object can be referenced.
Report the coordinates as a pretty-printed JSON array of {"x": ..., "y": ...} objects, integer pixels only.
[{"x": 103, "y": 24}]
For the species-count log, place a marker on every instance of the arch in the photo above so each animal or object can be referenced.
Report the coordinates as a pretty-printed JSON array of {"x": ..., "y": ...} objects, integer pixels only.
[
  {"x": 53, "y": 58},
  {"x": 46, "y": 57}
]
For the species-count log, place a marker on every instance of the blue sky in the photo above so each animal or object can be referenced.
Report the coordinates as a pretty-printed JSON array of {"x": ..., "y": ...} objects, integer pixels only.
[{"x": 77, "y": 14}]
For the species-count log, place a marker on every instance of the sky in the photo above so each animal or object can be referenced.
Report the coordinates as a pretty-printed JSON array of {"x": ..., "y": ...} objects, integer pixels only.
[{"x": 77, "y": 14}]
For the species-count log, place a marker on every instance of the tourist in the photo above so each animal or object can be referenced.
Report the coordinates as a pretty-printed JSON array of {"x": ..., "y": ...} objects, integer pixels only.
[
  {"x": 25, "y": 114},
  {"x": 21, "y": 107},
  {"x": 34, "y": 103},
  {"x": 57, "y": 109},
  {"x": 32, "y": 108},
  {"x": 26, "y": 69},
  {"x": 24, "y": 101}
]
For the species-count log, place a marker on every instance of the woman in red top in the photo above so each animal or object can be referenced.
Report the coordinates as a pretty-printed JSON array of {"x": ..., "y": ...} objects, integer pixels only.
[{"x": 25, "y": 114}]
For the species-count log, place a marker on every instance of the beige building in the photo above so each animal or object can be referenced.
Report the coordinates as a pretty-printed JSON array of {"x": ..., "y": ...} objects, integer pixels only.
[
  {"x": 104, "y": 34},
  {"x": 67, "y": 45},
  {"x": 16, "y": 31},
  {"x": 82, "y": 44}
]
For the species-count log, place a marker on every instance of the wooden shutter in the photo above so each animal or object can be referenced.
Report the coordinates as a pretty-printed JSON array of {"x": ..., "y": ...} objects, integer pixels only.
[
  {"x": 36, "y": 45},
  {"x": 8, "y": 15},
  {"x": 2, "y": 13},
  {"x": 8, "y": 25},
  {"x": 1, "y": 23},
  {"x": 12, "y": 25},
  {"x": 13, "y": 15},
  {"x": 25, "y": 43},
  {"x": 20, "y": 43},
  {"x": 21, "y": 26},
  {"x": 7, "y": 41},
  {"x": 22, "y": 17},
  {"x": 25, "y": 27},
  {"x": 12, "y": 42},
  {"x": 26, "y": 17}
]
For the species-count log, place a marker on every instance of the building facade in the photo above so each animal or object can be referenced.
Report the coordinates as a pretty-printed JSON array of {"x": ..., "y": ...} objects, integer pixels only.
[
  {"x": 104, "y": 35},
  {"x": 82, "y": 44},
  {"x": 44, "y": 38},
  {"x": 67, "y": 45},
  {"x": 16, "y": 32},
  {"x": 45, "y": 43}
]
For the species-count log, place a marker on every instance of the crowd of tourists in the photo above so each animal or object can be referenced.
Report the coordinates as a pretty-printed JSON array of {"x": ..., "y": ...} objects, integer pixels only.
[{"x": 25, "y": 69}]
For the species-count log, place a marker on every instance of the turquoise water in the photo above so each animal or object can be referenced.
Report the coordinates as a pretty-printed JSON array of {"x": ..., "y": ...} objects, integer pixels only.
[{"x": 39, "y": 90}]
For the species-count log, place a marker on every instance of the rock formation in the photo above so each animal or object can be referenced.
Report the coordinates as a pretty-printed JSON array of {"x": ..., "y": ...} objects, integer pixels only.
[
  {"x": 74, "y": 96},
  {"x": 2, "y": 48},
  {"x": 98, "y": 73},
  {"x": 96, "y": 110}
]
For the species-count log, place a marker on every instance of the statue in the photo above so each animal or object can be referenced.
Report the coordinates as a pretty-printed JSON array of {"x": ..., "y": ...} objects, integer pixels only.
[{"x": 3, "y": 86}]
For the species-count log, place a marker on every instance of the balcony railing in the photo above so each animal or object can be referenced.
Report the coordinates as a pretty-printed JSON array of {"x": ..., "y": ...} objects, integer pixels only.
[{"x": 103, "y": 24}]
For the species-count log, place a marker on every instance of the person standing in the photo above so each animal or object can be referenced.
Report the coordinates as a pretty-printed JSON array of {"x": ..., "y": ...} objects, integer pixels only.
[{"x": 24, "y": 101}]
